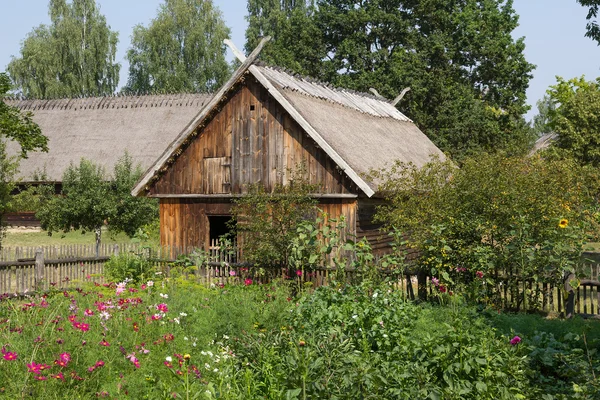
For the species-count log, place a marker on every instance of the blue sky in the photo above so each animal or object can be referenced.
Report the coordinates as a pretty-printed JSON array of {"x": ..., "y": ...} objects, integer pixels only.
[{"x": 553, "y": 30}]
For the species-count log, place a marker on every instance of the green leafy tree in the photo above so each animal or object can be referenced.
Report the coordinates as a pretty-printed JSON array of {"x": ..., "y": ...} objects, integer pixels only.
[
  {"x": 467, "y": 73},
  {"x": 85, "y": 202},
  {"x": 577, "y": 123},
  {"x": 525, "y": 217},
  {"x": 181, "y": 50},
  {"x": 571, "y": 111},
  {"x": 131, "y": 213},
  {"x": 268, "y": 223},
  {"x": 592, "y": 28},
  {"x": 19, "y": 127},
  {"x": 90, "y": 199},
  {"x": 74, "y": 56},
  {"x": 541, "y": 121},
  {"x": 296, "y": 39}
]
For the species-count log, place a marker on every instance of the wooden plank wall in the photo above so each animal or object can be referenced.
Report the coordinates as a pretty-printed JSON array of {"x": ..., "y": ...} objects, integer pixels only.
[
  {"x": 184, "y": 222},
  {"x": 255, "y": 141}
]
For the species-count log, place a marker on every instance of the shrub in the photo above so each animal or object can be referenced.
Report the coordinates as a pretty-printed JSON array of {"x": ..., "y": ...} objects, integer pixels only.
[
  {"x": 359, "y": 342},
  {"x": 523, "y": 218},
  {"x": 128, "y": 266}
]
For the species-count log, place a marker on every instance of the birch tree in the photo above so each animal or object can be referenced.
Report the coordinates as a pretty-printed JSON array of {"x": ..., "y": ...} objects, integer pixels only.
[
  {"x": 181, "y": 50},
  {"x": 73, "y": 56}
]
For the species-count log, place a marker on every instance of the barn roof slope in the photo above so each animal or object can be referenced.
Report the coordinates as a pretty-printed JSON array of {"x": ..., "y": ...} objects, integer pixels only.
[
  {"x": 358, "y": 131},
  {"x": 367, "y": 132},
  {"x": 102, "y": 128}
]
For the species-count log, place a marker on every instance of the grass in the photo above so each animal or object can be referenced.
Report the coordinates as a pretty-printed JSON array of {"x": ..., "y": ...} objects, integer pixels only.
[
  {"x": 41, "y": 238},
  {"x": 527, "y": 325}
]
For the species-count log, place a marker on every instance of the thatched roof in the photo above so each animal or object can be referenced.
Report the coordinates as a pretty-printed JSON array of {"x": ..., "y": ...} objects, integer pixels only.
[
  {"x": 367, "y": 132},
  {"x": 358, "y": 131},
  {"x": 102, "y": 128}
]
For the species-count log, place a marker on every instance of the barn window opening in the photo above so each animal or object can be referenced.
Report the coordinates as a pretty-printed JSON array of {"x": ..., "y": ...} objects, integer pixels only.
[
  {"x": 219, "y": 226},
  {"x": 252, "y": 107}
]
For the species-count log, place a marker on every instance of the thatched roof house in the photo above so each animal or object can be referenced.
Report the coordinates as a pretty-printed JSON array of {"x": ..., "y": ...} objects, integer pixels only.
[
  {"x": 102, "y": 128},
  {"x": 264, "y": 121}
]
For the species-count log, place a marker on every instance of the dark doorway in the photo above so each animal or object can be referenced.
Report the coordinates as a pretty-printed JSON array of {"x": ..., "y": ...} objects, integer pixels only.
[{"x": 218, "y": 227}]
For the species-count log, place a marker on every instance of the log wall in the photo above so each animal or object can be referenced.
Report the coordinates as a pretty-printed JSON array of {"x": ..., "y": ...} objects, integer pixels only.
[
  {"x": 184, "y": 222},
  {"x": 251, "y": 140}
]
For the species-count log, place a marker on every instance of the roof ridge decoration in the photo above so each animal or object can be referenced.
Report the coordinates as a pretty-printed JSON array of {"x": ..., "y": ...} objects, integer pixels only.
[{"x": 109, "y": 102}]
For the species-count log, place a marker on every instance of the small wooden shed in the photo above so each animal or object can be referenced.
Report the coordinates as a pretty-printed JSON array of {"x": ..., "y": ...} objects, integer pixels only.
[{"x": 264, "y": 121}]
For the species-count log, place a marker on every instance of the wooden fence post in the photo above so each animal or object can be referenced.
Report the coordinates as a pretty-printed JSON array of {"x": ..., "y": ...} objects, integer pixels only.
[
  {"x": 116, "y": 250},
  {"x": 569, "y": 296},
  {"x": 39, "y": 268},
  {"x": 422, "y": 285}
]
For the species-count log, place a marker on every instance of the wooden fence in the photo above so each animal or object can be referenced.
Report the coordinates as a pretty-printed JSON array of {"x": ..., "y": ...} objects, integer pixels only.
[{"x": 63, "y": 267}]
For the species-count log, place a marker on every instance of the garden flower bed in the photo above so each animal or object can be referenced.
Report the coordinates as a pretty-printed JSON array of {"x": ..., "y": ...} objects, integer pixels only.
[{"x": 165, "y": 339}]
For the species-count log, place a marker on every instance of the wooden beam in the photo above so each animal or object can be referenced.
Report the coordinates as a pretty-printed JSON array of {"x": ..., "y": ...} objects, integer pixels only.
[
  {"x": 400, "y": 96},
  {"x": 162, "y": 160},
  {"x": 376, "y": 93},
  {"x": 235, "y": 196},
  {"x": 236, "y": 52}
]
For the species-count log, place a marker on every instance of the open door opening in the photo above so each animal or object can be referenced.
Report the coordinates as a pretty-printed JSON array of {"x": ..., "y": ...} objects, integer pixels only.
[{"x": 218, "y": 227}]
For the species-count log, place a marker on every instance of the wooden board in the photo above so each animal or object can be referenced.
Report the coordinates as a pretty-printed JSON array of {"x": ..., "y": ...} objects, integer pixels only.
[{"x": 251, "y": 140}]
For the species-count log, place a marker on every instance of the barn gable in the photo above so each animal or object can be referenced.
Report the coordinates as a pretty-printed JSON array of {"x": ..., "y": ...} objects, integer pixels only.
[
  {"x": 357, "y": 132},
  {"x": 251, "y": 140}
]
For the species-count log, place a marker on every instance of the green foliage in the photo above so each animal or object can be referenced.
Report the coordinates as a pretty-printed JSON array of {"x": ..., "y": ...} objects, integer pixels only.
[
  {"x": 495, "y": 213},
  {"x": 19, "y": 127},
  {"x": 346, "y": 343},
  {"x": 128, "y": 267},
  {"x": 181, "y": 51},
  {"x": 541, "y": 121},
  {"x": 268, "y": 223},
  {"x": 296, "y": 39},
  {"x": 89, "y": 199},
  {"x": 130, "y": 213},
  {"x": 74, "y": 56},
  {"x": 467, "y": 73},
  {"x": 85, "y": 203},
  {"x": 592, "y": 28},
  {"x": 574, "y": 117}
]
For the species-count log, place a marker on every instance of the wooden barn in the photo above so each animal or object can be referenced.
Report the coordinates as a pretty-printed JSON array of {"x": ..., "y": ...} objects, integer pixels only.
[{"x": 262, "y": 122}]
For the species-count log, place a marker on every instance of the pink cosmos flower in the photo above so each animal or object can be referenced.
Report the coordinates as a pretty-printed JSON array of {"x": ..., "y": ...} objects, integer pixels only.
[
  {"x": 479, "y": 274},
  {"x": 88, "y": 312},
  {"x": 10, "y": 356},
  {"x": 435, "y": 281},
  {"x": 299, "y": 272},
  {"x": 162, "y": 307},
  {"x": 37, "y": 368},
  {"x": 516, "y": 340},
  {"x": 248, "y": 282},
  {"x": 232, "y": 273},
  {"x": 104, "y": 343},
  {"x": 156, "y": 317},
  {"x": 41, "y": 378},
  {"x": 66, "y": 357},
  {"x": 60, "y": 376}
]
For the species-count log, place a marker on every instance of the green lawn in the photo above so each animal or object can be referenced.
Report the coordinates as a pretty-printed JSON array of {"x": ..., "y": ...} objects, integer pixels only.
[{"x": 32, "y": 238}]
